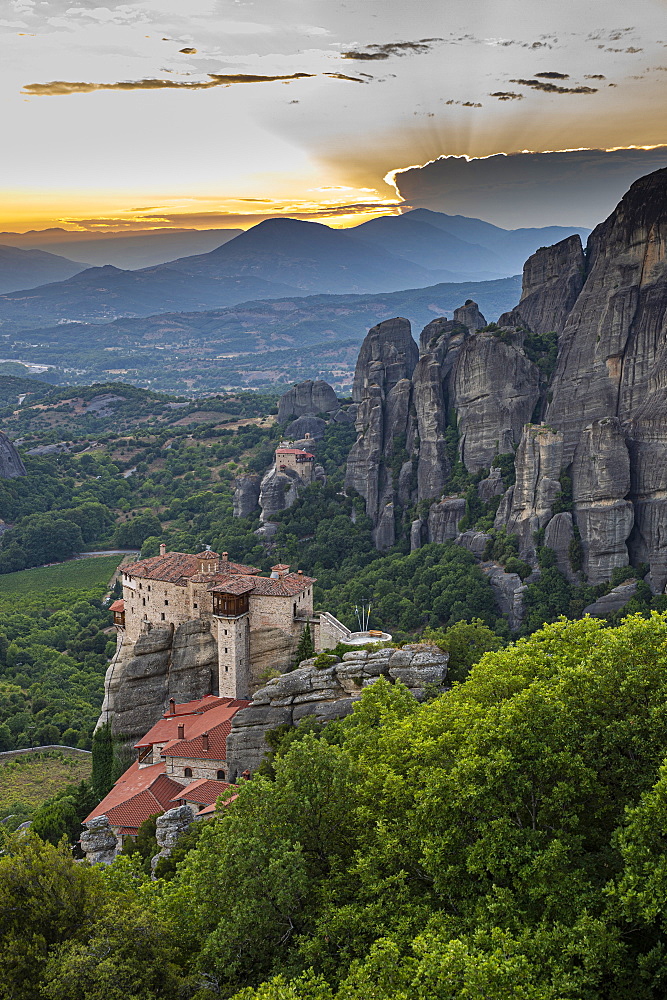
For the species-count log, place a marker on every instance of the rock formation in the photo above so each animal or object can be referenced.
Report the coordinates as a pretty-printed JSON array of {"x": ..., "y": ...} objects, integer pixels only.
[
  {"x": 246, "y": 495},
  {"x": 278, "y": 490},
  {"x": 11, "y": 464},
  {"x": 604, "y": 405},
  {"x": 327, "y": 694},
  {"x": 161, "y": 665},
  {"x": 98, "y": 841},
  {"x": 169, "y": 827},
  {"x": 306, "y": 398}
]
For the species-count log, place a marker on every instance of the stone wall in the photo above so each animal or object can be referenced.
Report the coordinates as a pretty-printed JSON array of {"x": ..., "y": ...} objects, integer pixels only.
[{"x": 175, "y": 766}]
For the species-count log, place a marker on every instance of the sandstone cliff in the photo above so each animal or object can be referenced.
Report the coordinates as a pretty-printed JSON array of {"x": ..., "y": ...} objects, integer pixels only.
[{"x": 477, "y": 389}]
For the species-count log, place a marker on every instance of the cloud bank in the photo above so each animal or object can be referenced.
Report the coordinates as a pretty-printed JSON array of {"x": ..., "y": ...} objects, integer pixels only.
[{"x": 575, "y": 187}]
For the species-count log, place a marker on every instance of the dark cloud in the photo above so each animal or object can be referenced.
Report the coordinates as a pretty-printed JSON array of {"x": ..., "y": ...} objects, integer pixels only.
[
  {"x": 552, "y": 88},
  {"x": 231, "y": 220},
  {"x": 387, "y": 49},
  {"x": 595, "y": 76},
  {"x": 579, "y": 187},
  {"x": 507, "y": 95},
  {"x": 554, "y": 76},
  {"x": 58, "y": 88},
  {"x": 463, "y": 104},
  {"x": 352, "y": 79}
]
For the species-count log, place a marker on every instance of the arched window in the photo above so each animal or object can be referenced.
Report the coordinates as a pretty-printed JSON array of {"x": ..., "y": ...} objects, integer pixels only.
[
  {"x": 188, "y": 772},
  {"x": 220, "y": 775}
]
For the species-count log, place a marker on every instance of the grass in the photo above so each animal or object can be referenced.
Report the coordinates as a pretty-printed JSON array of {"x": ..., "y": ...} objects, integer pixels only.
[
  {"x": 75, "y": 574},
  {"x": 27, "y": 782}
]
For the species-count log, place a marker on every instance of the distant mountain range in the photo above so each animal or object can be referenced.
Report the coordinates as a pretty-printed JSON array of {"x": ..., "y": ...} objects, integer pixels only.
[
  {"x": 279, "y": 258},
  {"x": 125, "y": 250},
  {"x": 30, "y": 268}
]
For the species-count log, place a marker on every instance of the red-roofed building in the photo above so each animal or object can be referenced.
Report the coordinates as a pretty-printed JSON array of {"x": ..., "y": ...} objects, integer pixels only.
[
  {"x": 188, "y": 746},
  {"x": 139, "y": 793},
  {"x": 296, "y": 460}
]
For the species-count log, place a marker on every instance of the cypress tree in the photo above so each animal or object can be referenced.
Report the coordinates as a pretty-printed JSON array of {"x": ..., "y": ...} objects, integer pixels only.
[
  {"x": 306, "y": 648},
  {"x": 102, "y": 774}
]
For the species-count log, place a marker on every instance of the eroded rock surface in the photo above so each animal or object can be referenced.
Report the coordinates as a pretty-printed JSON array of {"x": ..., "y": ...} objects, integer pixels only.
[
  {"x": 169, "y": 828},
  {"x": 309, "y": 397},
  {"x": 326, "y": 694},
  {"x": 98, "y": 841},
  {"x": 11, "y": 463},
  {"x": 246, "y": 495}
]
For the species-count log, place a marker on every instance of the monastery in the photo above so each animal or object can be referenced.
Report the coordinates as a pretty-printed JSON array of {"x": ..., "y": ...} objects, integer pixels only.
[{"x": 239, "y": 606}]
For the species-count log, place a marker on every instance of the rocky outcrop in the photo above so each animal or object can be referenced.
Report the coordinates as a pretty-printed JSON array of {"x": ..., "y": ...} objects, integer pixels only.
[
  {"x": 278, "y": 490},
  {"x": 246, "y": 495},
  {"x": 492, "y": 486},
  {"x": 494, "y": 392},
  {"x": 11, "y": 464},
  {"x": 468, "y": 315},
  {"x": 309, "y": 397},
  {"x": 559, "y": 536},
  {"x": 509, "y": 591},
  {"x": 160, "y": 665},
  {"x": 98, "y": 841},
  {"x": 385, "y": 424},
  {"x": 168, "y": 829},
  {"x": 306, "y": 426},
  {"x": 612, "y": 602},
  {"x": 444, "y": 517},
  {"x": 600, "y": 483},
  {"x": 527, "y": 506},
  {"x": 552, "y": 279},
  {"x": 327, "y": 694}
]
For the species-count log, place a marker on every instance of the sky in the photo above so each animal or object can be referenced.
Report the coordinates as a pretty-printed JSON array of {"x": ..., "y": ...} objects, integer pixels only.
[{"x": 220, "y": 113}]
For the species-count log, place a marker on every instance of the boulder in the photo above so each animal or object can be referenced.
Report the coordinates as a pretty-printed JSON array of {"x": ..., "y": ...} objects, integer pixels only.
[
  {"x": 468, "y": 315},
  {"x": 99, "y": 842},
  {"x": 309, "y": 397},
  {"x": 307, "y": 424},
  {"x": 616, "y": 599},
  {"x": 168, "y": 829}
]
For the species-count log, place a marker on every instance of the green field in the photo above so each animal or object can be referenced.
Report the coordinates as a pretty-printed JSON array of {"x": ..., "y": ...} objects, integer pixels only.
[
  {"x": 76, "y": 574},
  {"x": 27, "y": 782}
]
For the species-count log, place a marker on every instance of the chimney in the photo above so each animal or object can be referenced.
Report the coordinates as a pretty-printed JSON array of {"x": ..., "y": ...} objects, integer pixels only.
[
  {"x": 163, "y": 549},
  {"x": 225, "y": 556},
  {"x": 172, "y": 707},
  {"x": 279, "y": 571},
  {"x": 204, "y": 741},
  {"x": 300, "y": 572},
  {"x": 181, "y": 731}
]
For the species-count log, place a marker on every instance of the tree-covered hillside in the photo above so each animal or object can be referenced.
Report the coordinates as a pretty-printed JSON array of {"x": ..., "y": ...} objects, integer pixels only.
[{"x": 506, "y": 839}]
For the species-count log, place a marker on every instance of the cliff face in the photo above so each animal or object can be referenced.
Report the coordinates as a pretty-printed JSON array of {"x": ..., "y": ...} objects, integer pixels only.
[
  {"x": 605, "y": 403},
  {"x": 11, "y": 464}
]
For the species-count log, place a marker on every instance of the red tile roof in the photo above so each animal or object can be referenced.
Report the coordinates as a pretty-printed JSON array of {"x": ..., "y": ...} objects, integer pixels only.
[
  {"x": 285, "y": 586},
  {"x": 234, "y": 585},
  {"x": 138, "y": 794},
  {"x": 294, "y": 451},
  {"x": 175, "y": 566},
  {"x": 208, "y": 811},
  {"x": 193, "y": 744},
  {"x": 117, "y": 605},
  {"x": 204, "y": 792},
  {"x": 189, "y": 715}
]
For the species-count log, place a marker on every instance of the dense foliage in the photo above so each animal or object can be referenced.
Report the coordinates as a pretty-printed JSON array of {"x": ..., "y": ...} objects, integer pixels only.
[{"x": 506, "y": 839}]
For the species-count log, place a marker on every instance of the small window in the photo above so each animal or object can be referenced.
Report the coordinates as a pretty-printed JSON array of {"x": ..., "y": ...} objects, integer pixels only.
[
  {"x": 143, "y": 602},
  {"x": 162, "y": 616},
  {"x": 220, "y": 775},
  {"x": 295, "y": 607},
  {"x": 141, "y": 586},
  {"x": 187, "y": 773},
  {"x": 225, "y": 649},
  {"x": 149, "y": 586},
  {"x": 225, "y": 631},
  {"x": 226, "y": 668},
  {"x": 166, "y": 604},
  {"x": 195, "y": 605}
]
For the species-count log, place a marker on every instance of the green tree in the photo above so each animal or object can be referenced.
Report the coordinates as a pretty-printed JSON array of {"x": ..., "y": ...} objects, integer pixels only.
[
  {"x": 306, "y": 648},
  {"x": 103, "y": 759}
]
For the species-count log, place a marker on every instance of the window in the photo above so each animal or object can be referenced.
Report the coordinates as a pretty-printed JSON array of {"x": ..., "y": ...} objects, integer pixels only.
[
  {"x": 225, "y": 649},
  {"x": 187, "y": 773},
  {"x": 166, "y": 603},
  {"x": 195, "y": 605},
  {"x": 149, "y": 586},
  {"x": 162, "y": 616},
  {"x": 225, "y": 631},
  {"x": 143, "y": 602},
  {"x": 295, "y": 607},
  {"x": 220, "y": 775},
  {"x": 141, "y": 586},
  {"x": 226, "y": 668}
]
